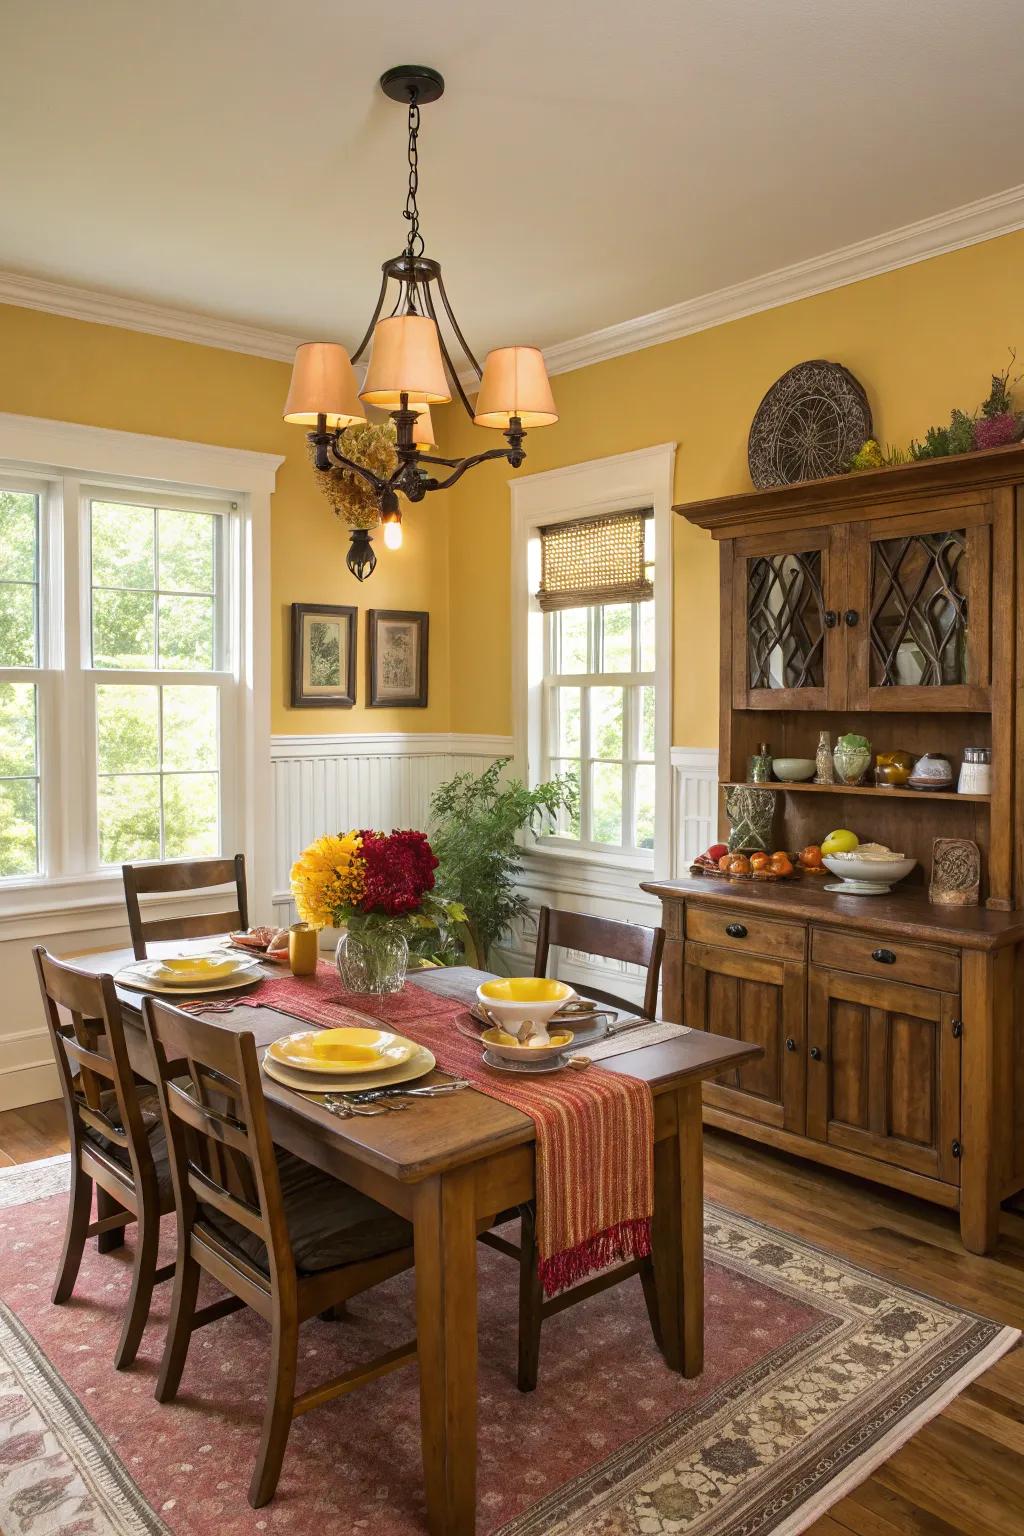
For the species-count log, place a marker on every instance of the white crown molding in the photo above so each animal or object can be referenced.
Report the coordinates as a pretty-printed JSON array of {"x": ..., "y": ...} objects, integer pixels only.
[
  {"x": 391, "y": 744},
  {"x": 134, "y": 315}
]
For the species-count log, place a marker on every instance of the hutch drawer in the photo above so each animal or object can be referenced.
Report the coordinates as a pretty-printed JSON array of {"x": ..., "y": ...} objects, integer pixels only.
[
  {"x": 741, "y": 930},
  {"x": 889, "y": 959}
]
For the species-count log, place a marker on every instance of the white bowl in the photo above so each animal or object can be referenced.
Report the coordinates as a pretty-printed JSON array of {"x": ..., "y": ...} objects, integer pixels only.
[
  {"x": 866, "y": 877},
  {"x": 794, "y": 770},
  {"x": 511, "y": 1000}
]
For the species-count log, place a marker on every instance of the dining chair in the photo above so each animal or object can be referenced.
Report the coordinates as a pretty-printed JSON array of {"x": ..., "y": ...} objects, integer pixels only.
[
  {"x": 186, "y": 875},
  {"x": 116, "y": 1136},
  {"x": 277, "y": 1234},
  {"x": 610, "y": 940}
]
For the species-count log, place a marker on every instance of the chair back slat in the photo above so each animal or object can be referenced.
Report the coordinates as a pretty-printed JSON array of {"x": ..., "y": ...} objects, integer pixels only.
[
  {"x": 181, "y": 876},
  {"x": 86, "y": 1071},
  {"x": 609, "y": 940},
  {"x": 222, "y": 1153}
]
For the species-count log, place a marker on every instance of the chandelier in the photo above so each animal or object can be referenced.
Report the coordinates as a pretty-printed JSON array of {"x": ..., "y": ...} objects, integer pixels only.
[{"x": 410, "y": 369}]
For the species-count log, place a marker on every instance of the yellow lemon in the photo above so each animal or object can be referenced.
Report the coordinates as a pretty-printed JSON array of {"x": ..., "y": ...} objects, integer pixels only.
[{"x": 840, "y": 842}]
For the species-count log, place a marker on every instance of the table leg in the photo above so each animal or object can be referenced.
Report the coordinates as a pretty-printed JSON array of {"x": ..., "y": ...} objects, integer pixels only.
[
  {"x": 678, "y": 1235},
  {"x": 446, "y": 1323}
]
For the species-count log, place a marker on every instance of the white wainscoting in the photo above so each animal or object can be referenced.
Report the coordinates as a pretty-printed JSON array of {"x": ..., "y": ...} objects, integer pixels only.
[
  {"x": 695, "y": 803},
  {"x": 331, "y": 783}
]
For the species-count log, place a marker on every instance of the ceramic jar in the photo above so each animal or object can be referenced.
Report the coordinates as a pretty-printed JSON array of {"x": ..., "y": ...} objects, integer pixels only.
[
  {"x": 932, "y": 771},
  {"x": 892, "y": 769},
  {"x": 850, "y": 763}
]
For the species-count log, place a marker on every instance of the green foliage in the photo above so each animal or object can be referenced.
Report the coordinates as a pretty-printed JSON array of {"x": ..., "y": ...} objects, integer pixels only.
[
  {"x": 1000, "y": 396},
  {"x": 935, "y": 445},
  {"x": 961, "y": 432},
  {"x": 475, "y": 825}
]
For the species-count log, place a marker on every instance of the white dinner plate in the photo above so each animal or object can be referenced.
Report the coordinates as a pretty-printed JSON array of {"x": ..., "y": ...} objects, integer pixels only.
[{"x": 417, "y": 1066}]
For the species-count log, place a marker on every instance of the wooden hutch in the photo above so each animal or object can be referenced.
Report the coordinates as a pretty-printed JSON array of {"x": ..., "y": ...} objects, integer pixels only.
[{"x": 888, "y": 603}]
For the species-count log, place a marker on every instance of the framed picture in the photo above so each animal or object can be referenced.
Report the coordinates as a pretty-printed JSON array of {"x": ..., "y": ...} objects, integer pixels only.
[
  {"x": 398, "y": 658},
  {"x": 323, "y": 656}
]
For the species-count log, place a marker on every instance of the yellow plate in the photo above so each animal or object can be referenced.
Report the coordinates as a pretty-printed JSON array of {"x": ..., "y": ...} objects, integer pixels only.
[
  {"x": 188, "y": 970},
  {"x": 526, "y": 989},
  {"x": 342, "y": 1052},
  {"x": 417, "y": 1066}
]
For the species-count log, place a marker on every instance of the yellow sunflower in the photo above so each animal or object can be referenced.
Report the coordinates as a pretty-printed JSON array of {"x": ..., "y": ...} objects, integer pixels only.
[{"x": 328, "y": 878}]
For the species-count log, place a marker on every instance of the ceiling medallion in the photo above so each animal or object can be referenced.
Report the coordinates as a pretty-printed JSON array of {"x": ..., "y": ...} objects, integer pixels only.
[
  {"x": 809, "y": 425},
  {"x": 410, "y": 369}
]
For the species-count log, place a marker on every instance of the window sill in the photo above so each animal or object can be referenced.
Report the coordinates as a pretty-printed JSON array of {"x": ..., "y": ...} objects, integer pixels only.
[{"x": 47, "y": 905}]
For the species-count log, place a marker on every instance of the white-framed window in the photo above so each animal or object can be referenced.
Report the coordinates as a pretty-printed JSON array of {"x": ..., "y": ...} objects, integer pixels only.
[
  {"x": 133, "y": 631},
  {"x": 592, "y": 682},
  {"x": 598, "y": 719}
]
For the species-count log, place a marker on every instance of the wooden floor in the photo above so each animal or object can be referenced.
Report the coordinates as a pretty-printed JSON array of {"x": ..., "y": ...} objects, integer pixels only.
[{"x": 963, "y": 1475}]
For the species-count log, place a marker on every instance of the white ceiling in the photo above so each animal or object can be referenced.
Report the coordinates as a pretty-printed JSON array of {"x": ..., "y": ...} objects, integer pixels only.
[{"x": 589, "y": 162}]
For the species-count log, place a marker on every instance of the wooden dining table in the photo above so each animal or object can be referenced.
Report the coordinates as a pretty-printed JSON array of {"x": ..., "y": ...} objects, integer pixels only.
[{"x": 448, "y": 1166}]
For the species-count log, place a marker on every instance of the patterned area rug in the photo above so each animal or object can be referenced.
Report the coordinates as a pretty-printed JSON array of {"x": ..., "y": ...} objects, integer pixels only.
[{"x": 816, "y": 1371}]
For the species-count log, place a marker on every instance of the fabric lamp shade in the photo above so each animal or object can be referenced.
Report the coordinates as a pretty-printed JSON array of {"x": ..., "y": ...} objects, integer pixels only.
[
  {"x": 423, "y": 434},
  {"x": 406, "y": 360},
  {"x": 515, "y": 383},
  {"x": 323, "y": 384}
]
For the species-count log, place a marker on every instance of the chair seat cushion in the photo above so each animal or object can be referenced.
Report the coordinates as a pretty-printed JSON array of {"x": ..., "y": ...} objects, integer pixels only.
[
  {"x": 149, "y": 1106},
  {"x": 329, "y": 1223}
]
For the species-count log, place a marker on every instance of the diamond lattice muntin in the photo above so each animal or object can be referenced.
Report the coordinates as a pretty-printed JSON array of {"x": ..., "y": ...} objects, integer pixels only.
[
  {"x": 785, "y": 621},
  {"x": 919, "y": 611}
]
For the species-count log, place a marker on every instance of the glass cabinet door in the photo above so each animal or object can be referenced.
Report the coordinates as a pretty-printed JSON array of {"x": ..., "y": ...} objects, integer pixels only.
[
  {"x": 919, "y": 595},
  {"x": 781, "y": 622}
]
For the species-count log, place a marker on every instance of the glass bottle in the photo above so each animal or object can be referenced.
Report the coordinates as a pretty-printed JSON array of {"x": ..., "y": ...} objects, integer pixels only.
[
  {"x": 825, "y": 773},
  {"x": 761, "y": 765}
]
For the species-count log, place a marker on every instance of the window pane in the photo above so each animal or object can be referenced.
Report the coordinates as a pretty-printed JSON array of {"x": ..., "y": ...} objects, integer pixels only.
[
  {"x": 19, "y": 520},
  {"x": 127, "y": 729},
  {"x": 190, "y": 814},
  {"x": 17, "y": 729},
  {"x": 606, "y": 803},
  {"x": 646, "y": 637},
  {"x": 567, "y": 721},
  {"x": 190, "y": 727},
  {"x": 606, "y": 722},
  {"x": 186, "y": 633},
  {"x": 129, "y": 817},
  {"x": 122, "y": 545},
  {"x": 568, "y": 823},
  {"x": 617, "y": 630},
  {"x": 122, "y": 629},
  {"x": 646, "y": 722},
  {"x": 19, "y": 827},
  {"x": 17, "y": 625},
  {"x": 571, "y": 640},
  {"x": 643, "y": 807},
  {"x": 186, "y": 551}
]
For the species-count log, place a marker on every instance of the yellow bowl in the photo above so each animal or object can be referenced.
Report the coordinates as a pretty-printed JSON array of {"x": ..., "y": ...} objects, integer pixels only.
[
  {"x": 339, "y": 1051},
  {"x": 508, "y": 1049},
  {"x": 191, "y": 969},
  {"x": 511, "y": 1000}
]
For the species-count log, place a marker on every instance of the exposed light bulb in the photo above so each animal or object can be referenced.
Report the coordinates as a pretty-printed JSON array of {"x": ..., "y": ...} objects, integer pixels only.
[{"x": 393, "y": 534}]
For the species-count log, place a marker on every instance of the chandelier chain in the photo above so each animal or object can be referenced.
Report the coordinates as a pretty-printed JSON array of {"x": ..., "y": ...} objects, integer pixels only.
[{"x": 415, "y": 243}]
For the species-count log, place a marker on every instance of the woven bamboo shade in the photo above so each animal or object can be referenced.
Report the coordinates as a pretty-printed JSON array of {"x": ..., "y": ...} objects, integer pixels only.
[{"x": 594, "y": 560}]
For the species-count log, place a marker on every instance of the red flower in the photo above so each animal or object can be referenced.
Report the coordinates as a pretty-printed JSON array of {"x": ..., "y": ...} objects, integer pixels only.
[{"x": 399, "y": 871}]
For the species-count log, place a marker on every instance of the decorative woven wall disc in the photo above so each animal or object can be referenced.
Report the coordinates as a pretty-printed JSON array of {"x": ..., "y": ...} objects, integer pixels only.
[{"x": 809, "y": 425}]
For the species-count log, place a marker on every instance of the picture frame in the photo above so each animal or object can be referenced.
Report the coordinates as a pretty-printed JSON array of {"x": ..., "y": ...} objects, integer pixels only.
[
  {"x": 323, "y": 656},
  {"x": 398, "y": 658}
]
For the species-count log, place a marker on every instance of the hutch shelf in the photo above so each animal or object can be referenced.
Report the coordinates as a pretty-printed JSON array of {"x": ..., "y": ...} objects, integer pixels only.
[{"x": 886, "y": 603}]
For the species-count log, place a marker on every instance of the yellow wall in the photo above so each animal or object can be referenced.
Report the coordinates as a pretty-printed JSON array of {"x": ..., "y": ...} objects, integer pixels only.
[
  {"x": 69, "y": 370},
  {"x": 921, "y": 340}
]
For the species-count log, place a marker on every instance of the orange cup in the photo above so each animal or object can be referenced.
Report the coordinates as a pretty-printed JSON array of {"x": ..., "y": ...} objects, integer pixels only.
[{"x": 303, "y": 947}]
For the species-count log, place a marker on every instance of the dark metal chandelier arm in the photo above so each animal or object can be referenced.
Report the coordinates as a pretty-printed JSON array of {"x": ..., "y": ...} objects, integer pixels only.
[
  {"x": 449, "y": 365},
  {"x": 456, "y": 328},
  {"x": 357, "y": 354},
  {"x": 515, "y": 457}
]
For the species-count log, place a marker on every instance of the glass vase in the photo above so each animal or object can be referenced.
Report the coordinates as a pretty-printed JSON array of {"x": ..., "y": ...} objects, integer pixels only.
[{"x": 372, "y": 960}]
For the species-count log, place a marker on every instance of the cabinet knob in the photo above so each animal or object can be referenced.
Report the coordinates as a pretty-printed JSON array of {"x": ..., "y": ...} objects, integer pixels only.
[
  {"x": 958, "y": 1028},
  {"x": 736, "y": 930},
  {"x": 790, "y": 1043},
  {"x": 883, "y": 956},
  {"x": 831, "y": 618},
  {"x": 957, "y": 1148},
  {"x": 851, "y": 618},
  {"x": 815, "y": 1053}
]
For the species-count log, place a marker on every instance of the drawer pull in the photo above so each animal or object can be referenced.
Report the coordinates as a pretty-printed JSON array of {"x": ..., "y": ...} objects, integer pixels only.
[
  {"x": 883, "y": 956},
  {"x": 736, "y": 930},
  {"x": 851, "y": 618},
  {"x": 790, "y": 1043},
  {"x": 815, "y": 1053},
  {"x": 830, "y": 617}
]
